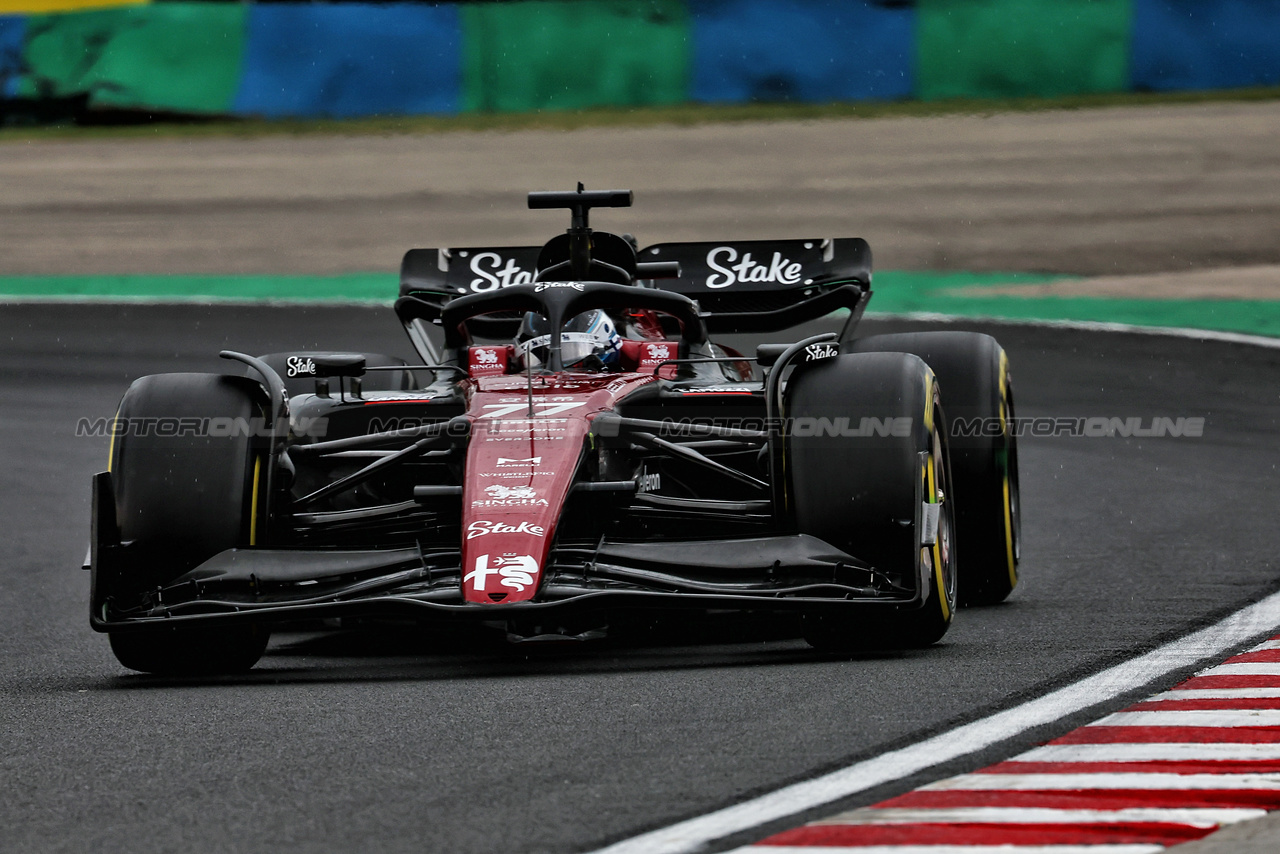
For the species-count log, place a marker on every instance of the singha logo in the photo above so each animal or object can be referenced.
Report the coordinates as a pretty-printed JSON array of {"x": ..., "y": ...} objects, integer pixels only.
[
  {"x": 659, "y": 352},
  {"x": 500, "y": 491},
  {"x": 487, "y": 357}
]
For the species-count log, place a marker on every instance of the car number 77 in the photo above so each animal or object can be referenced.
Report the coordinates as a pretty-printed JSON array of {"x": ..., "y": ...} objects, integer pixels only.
[{"x": 544, "y": 410}]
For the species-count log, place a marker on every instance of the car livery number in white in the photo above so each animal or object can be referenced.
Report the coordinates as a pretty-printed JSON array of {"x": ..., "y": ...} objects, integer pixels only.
[
  {"x": 481, "y": 527},
  {"x": 516, "y": 571},
  {"x": 782, "y": 270},
  {"x": 543, "y": 410}
]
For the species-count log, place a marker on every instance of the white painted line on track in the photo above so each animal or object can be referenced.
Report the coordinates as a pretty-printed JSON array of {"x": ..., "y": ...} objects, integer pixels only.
[
  {"x": 923, "y": 316},
  {"x": 1194, "y": 717},
  {"x": 1217, "y": 694},
  {"x": 1086, "y": 326},
  {"x": 1248, "y": 668},
  {"x": 1194, "y": 816},
  {"x": 951, "y": 849},
  {"x": 1103, "y": 780},
  {"x": 202, "y": 300},
  {"x": 1252, "y": 622},
  {"x": 1157, "y": 752}
]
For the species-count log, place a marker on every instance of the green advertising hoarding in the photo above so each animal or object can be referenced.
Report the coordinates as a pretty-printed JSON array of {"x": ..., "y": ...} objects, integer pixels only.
[
  {"x": 1021, "y": 48},
  {"x": 566, "y": 55}
]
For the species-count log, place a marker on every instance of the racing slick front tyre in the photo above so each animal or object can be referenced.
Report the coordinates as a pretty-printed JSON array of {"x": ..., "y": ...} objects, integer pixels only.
[
  {"x": 973, "y": 371},
  {"x": 879, "y": 489},
  {"x": 189, "y": 480}
]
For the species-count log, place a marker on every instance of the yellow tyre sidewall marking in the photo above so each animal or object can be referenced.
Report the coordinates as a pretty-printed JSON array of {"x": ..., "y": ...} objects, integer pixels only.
[
  {"x": 111, "y": 448},
  {"x": 253, "y": 504},
  {"x": 1008, "y": 503},
  {"x": 932, "y": 485},
  {"x": 1008, "y": 534}
]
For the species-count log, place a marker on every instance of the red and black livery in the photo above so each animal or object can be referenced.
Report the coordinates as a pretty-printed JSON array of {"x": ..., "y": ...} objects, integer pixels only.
[{"x": 816, "y": 477}]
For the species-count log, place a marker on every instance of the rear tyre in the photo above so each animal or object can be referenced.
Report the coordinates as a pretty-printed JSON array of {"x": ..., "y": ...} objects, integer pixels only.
[
  {"x": 973, "y": 371},
  {"x": 189, "y": 482},
  {"x": 871, "y": 495}
]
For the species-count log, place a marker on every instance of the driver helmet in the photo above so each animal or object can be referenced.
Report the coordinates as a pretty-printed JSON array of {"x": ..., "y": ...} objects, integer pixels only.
[{"x": 589, "y": 341}]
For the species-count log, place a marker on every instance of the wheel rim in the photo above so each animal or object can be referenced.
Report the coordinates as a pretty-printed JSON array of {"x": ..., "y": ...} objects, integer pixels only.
[{"x": 940, "y": 557}]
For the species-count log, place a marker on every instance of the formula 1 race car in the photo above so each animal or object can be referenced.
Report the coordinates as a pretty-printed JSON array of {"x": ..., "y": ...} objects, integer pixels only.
[{"x": 572, "y": 451}]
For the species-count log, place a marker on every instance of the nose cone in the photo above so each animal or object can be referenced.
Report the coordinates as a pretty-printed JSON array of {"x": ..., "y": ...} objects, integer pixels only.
[{"x": 519, "y": 472}]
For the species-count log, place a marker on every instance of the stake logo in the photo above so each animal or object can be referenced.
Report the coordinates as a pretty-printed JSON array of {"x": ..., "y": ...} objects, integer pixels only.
[
  {"x": 815, "y": 352},
  {"x": 492, "y": 274},
  {"x": 296, "y": 366},
  {"x": 515, "y": 571},
  {"x": 480, "y": 528},
  {"x": 781, "y": 270}
]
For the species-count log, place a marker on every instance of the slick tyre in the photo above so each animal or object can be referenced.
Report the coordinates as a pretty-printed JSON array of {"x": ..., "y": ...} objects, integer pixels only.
[
  {"x": 373, "y": 381},
  {"x": 189, "y": 480},
  {"x": 977, "y": 391},
  {"x": 883, "y": 498}
]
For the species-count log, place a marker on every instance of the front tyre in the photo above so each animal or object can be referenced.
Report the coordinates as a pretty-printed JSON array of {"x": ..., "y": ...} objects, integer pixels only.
[
  {"x": 869, "y": 471},
  {"x": 189, "y": 472}
]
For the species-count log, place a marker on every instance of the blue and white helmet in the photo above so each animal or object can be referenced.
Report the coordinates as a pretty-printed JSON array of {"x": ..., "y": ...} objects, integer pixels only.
[{"x": 590, "y": 334}]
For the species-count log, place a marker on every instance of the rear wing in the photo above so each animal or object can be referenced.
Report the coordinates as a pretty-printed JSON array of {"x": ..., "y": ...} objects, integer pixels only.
[
  {"x": 740, "y": 286},
  {"x": 768, "y": 285},
  {"x": 469, "y": 270}
]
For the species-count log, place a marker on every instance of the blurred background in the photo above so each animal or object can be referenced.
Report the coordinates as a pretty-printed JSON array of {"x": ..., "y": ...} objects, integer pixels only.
[{"x": 89, "y": 60}]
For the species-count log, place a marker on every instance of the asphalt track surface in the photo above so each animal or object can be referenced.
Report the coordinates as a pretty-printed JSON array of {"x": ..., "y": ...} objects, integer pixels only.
[{"x": 392, "y": 741}]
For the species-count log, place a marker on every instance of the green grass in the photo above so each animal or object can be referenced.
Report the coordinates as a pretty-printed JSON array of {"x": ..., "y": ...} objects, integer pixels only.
[
  {"x": 682, "y": 115},
  {"x": 958, "y": 294},
  {"x": 896, "y": 293}
]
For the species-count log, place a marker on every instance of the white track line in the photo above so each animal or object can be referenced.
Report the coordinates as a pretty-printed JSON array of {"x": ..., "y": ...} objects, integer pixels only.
[
  {"x": 1214, "y": 642},
  {"x": 1194, "y": 717},
  {"x": 1159, "y": 752},
  {"x": 921, "y": 316},
  {"x": 1194, "y": 816},
  {"x": 952, "y": 849},
  {"x": 1248, "y": 668},
  {"x": 1216, "y": 694},
  {"x": 249, "y": 302},
  {"x": 1086, "y": 326},
  {"x": 1145, "y": 780}
]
